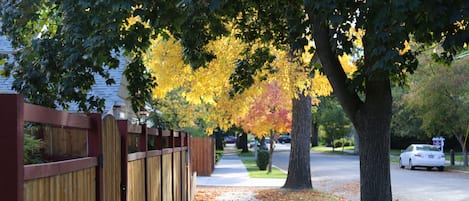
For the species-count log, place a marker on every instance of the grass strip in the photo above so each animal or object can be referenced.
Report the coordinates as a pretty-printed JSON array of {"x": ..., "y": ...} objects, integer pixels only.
[
  {"x": 254, "y": 171},
  {"x": 337, "y": 150}
]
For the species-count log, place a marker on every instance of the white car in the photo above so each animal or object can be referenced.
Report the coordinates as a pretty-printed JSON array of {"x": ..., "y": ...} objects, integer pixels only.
[{"x": 422, "y": 155}]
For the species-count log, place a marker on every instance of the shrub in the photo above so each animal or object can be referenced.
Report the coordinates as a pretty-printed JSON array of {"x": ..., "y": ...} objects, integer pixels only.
[
  {"x": 218, "y": 155},
  {"x": 347, "y": 143},
  {"x": 338, "y": 143},
  {"x": 262, "y": 159},
  {"x": 342, "y": 142},
  {"x": 32, "y": 153}
]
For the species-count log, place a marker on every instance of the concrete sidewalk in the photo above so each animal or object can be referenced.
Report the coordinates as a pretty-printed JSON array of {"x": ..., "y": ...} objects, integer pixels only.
[{"x": 230, "y": 171}]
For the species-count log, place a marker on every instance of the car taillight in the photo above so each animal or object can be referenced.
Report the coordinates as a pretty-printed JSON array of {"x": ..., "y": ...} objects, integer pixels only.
[
  {"x": 442, "y": 156},
  {"x": 418, "y": 154}
]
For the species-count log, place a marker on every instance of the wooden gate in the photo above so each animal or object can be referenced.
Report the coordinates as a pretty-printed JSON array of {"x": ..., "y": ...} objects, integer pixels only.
[{"x": 111, "y": 160}]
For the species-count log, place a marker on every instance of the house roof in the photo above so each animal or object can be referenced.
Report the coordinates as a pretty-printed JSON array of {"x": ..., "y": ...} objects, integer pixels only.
[
  {"x": 5, "y": 83},
  {"x": 100, "y": 89}
]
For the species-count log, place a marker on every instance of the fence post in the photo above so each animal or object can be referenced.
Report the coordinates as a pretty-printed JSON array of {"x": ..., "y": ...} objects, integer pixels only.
[
  {"x": 159, "y": 146},
  {"x": 143, "y": 146},
  {"x": 11, "y": 144},
  {"x": 95, "y": 149},
  {"x": 451, "y": 152},
  {"x": 171, "y": 145},
  {"x": 123, "y": 130}
]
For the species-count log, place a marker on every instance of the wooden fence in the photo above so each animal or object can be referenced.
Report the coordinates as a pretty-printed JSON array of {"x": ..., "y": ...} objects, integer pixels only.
[
  {"x": 202, "y": 155},
  {"x": 95, "y": 164}
]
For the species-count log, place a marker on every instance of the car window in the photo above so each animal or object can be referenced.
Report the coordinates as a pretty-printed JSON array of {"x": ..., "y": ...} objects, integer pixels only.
[
  {"x": 427, "y": 148},
  {"x": 409, "y": 148}
]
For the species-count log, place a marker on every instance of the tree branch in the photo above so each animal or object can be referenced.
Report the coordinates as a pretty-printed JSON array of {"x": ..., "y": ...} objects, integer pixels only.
[{"x": 347, "y": 97}]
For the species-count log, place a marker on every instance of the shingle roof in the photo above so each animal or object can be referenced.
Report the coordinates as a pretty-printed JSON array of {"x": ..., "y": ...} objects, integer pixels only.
[
  {"x": 100, "y": 89},
  {"x": 5, "y": 48}
]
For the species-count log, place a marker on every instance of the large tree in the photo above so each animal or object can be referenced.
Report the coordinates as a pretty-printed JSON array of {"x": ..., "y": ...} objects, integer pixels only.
[{"x": 366, "y": 98}]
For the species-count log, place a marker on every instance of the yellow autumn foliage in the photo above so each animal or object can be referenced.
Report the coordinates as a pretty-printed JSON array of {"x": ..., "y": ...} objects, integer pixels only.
[
  {"x": 210, "y": 85},
  {"x": 346, "y": 61},
  {"x": 167, "y": 66}
]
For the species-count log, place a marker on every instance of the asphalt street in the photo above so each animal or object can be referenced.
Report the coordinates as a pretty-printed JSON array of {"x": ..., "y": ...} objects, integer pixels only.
[{"x": 340, "y": 175}]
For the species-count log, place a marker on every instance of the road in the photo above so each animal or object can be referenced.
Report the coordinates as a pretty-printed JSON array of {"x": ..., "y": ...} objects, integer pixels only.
[{"x": 340, "y": 175}]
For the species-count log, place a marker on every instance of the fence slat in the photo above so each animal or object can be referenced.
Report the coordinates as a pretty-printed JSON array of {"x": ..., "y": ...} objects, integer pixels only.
[{"x": 112, "y": 160}]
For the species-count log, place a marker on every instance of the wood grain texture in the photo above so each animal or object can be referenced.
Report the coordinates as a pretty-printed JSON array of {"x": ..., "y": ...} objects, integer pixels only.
[
  {"x": 74, "y": 186},
  {"x": 111, "y": 160},
  {"x": 167, "y": 178},
  {"x": 154, "y": 178},
  {"x": 136, "y": 180}
]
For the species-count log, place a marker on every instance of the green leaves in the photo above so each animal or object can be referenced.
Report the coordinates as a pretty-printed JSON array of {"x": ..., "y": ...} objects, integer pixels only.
[
  {"x": 246, "y": 69},
  {"x": 140, "y": 84}
]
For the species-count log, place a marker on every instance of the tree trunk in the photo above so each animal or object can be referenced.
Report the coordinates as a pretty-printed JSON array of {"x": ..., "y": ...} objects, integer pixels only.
[
  {"x": 356, "y": 141},
  {"x": 314, "y": 135},
  {"x": 243, "y": 142},
  {"x": 373, "y": 122},
  {"x": 218, "y": 140},
  {"x": 465, "y": 156},
  {"x": 299, "y": 171},
  {"x": 371, "y": 117},
  {"x": 271, "y": 152},
  {"x": 463, "y": 148},
  {"x": 332, "y": 143}
]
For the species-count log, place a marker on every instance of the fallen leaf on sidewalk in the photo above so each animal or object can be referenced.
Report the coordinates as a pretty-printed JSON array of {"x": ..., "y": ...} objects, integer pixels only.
[
  {"x": 205, "y": 193},
  {"x": 287, "y": 195}
]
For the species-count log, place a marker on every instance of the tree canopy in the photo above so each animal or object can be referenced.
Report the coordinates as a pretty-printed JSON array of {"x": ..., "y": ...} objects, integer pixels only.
[
  {"x": 439, "y": 97},
  {"x": 62, "y": 44},
  {"x": 209, "y": 86}
]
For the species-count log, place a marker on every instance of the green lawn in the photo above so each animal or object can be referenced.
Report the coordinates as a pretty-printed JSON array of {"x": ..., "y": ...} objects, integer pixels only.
[
  {"x": 461, "y": 168},
  {"x": 254, "y": 171},
  {"x": 394, "y": 160},
  {"x": 337, "y": 150},
  {"x": 395, "y": 152},
  {"x": 458, "y": 157}
]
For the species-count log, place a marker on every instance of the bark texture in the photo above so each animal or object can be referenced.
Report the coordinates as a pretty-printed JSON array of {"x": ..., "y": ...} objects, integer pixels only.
[
  {"x": 219, "y": 141},
  {"x": 371, "y": 116},
  {"x": 243, "y": 143},
  {"x": 299, "y": 170},
  {"x": 373, "y": 125}
]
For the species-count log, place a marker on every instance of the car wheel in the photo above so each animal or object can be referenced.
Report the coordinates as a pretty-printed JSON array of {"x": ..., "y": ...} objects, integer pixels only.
[
  {"x": 400, "y": 163},
  {"x": 410, "y": 165},
  {"x": 441, "y": 168}
]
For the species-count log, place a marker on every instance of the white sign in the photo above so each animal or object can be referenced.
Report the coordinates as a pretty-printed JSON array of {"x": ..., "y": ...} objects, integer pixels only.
[{"x": 439, "y": 142}]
